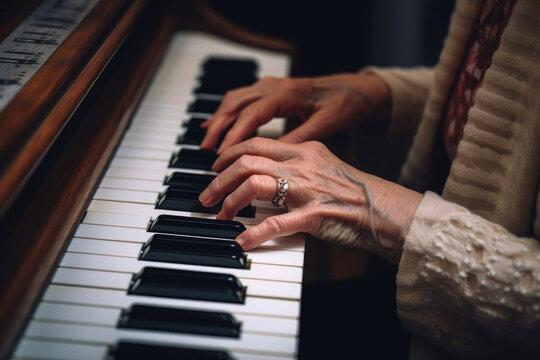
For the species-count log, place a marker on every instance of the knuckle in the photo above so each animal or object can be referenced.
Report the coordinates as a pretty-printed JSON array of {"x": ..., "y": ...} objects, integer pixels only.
[
  {"x": 230, "y": 95},
  {"x": 249, "y": 112},
  {"x": 245, "y": 161},
  {"x": 228, "y": 203},
  {"x": 256, "y": 183},
  {"x": 297, "y": 86},
  {"x": 267, "y": 79},
  {"x": 257, "y": 143},
  {"x": 215, "y": 185},
  {"x": 315, "y": 146},
  {"x": 290, "y": 85}
]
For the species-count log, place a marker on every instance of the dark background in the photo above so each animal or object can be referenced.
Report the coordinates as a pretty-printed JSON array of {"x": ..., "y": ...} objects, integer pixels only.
[{"x": 341, "y": 36}]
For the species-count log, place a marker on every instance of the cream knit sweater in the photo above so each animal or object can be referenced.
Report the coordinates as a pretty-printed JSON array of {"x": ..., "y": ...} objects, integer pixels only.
[{"x": 469, "y": 279}]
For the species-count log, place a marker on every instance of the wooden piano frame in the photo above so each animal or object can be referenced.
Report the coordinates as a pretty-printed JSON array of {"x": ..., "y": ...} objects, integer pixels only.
[{"x": 59, "y": 132}]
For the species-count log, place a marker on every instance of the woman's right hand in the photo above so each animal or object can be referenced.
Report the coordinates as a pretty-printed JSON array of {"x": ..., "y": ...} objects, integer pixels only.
[{"x": 325, "y": 105}]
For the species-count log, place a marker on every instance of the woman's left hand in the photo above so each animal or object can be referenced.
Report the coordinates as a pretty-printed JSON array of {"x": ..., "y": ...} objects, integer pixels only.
[{"x": 326, "y": 197}]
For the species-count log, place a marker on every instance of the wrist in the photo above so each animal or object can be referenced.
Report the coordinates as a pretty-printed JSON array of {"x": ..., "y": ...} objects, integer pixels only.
[
  {"x": 379, "y": 94},
  {"x": 397, "y": 206}
]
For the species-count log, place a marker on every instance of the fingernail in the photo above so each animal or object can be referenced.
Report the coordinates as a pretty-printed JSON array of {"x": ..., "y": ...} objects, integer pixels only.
[
  {"x": 240, "y": 242},
  {"x": 215, "y": 166},
  {"x": 204, "y": 198}
]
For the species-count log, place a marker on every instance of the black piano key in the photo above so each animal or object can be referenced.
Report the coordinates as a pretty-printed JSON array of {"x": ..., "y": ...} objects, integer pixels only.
[
  {"x": 125, "y": 350},
  {"x": 203, "y": 106},
  {"x": 194, "y": 250},
  {"x": 219, "y": 84},
  {"x": 188, "y": 200},
  {"x": 192, "y": 136},
  {"x": 230, "y": 64},
  {"x": 179, "y": 320},
  {"x": 189, "y": 181},
  {"x": 193, "y": 159},
  {"x": 192, "y": 226},
  {"x": 184, "y": 284},
  {"x": 194, "y": 122}
]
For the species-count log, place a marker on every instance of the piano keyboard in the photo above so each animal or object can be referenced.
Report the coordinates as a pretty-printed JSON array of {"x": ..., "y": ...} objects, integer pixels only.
[{"x": 124, "y": 288}]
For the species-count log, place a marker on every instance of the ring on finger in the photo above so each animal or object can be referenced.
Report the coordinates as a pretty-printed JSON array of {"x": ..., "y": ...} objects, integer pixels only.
[{"x": 281, "y": 192}]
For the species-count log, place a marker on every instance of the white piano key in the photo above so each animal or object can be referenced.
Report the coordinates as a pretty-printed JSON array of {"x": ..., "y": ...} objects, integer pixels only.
[
  {"x": 151, "y": 145},
  {"x": 271, "y": 255},
  {"x": 139, "y": 209},
  {"x": 132, "y": 184},
  {"x": 77, "y": 313},
  {"x": 111, "y": 233},
  {"x": 167, "y": 127},
  {"x": 132, "y": 208},
  {"x": 251, "y": 356},
  {"x": 272, "y": 129},
  {"x": 135, "y": 174},
  {"x": 92, "y": 278},
  {"x": 139, "y": 163},
  {"x": 132, "y": 265},
  {"x": 121, "y": 281},
  {"x": 118, "y": 248},
  {"x": 150, "y": 117},
  {"x": 40, "y": 349},
  {"x": 107, "y": 335},
  {"x": 118, "y": 298},
  {"x": 101, "y": 218},
  {"x": 109, "y": 317},
  {"x": 143, "y": 137},
  {"x": 56, "y": 350},
  {"x": 103, "y": 247},
  {"x": 130, "y": 152},
  {"x": 164, "y": 108},
  {"x": 118, "y": 225},
  {"x": 141, "y": 197}
]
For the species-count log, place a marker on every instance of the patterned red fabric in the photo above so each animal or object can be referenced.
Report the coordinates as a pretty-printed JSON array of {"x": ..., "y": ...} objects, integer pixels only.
[{"x": 484, "y": 41}]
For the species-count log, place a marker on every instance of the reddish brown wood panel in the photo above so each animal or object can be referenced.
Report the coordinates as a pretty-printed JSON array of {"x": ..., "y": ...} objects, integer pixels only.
[
  {"x": 26, "y": 130},
  {"x": 199, "y": 15},
  {"x": 39, "y": 232}
]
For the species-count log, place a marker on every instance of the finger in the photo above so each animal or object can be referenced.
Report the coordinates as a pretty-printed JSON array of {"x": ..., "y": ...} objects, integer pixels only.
[
  {"x": 267, "y": 148},
  {"x": 225, "y": 115},
  {"x": 260, "y": 187},
  {"x": 215, "y": 131},
  {"x": 234, "y": 101},
  {"x": 255, "y": 115},
  {"x": 236, "y": 174},
  {"x": 273, "y": 227},
  {"x": 317, "y": 126}
]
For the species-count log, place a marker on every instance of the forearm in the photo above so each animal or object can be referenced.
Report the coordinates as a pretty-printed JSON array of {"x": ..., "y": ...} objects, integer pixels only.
[{"x": 468, "y": 284}]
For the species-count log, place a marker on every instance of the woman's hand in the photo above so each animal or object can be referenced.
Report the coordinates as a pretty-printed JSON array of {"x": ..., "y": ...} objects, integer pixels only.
[
  {"x": 326, "y": 198},
  {"x": 325, "y": 105}
]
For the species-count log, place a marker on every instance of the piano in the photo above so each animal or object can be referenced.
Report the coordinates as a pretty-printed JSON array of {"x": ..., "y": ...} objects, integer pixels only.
[{"x": 105, "y": 252}]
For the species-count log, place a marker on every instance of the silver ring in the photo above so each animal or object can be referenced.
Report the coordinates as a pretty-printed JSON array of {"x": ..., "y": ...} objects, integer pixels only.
[{"x": 282, "y": 188}]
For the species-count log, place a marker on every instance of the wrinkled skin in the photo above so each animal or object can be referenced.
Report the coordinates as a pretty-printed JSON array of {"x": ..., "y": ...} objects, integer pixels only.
[
  {"x": 325, "y": 105},
  {"x": 327, "y": 198}
]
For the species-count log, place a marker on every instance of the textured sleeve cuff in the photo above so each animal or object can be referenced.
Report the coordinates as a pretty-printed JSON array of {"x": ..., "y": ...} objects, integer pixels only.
[{"x": 468, "y": 285}]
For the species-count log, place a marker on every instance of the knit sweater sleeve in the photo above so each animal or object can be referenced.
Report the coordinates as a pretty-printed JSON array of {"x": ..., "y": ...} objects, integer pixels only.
[
  {"x": 468, "y": 285},
  {"x": 409, "y": 90}
]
